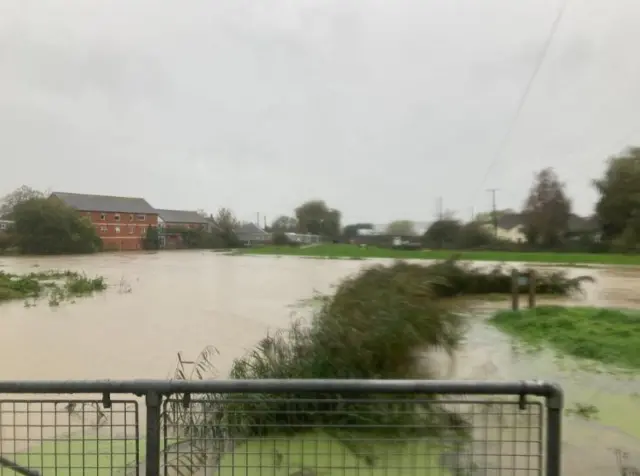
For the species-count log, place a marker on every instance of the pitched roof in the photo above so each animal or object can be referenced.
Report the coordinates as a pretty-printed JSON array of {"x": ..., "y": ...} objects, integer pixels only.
[
  {"x": 181, "y": 216},
  {"x": 105, "y": 203},
  {"x": 580, "y": 224},
  {"x": 250, "y": 228},
  {"x": 510, "y": 220}
]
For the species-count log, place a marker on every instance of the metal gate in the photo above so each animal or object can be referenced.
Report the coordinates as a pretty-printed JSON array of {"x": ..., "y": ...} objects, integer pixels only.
[{"x": 280, "y": 427}]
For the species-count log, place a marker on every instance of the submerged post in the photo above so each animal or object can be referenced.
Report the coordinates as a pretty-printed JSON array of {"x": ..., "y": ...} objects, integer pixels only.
[
  {"x": 532, "y": 289},
  {"x": 515, "y": 289}
]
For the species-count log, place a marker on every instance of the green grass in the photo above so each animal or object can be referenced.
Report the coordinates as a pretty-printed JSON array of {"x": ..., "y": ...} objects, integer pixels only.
[
  {"x": 58, "y": 286},
  {"x": 323, "y": 455},
  {"x": 607, "y": 336},
  {"x": 71, "y": 457},
  {"x": 316, "y": 451},
  {"x": 335, "y": 251}
]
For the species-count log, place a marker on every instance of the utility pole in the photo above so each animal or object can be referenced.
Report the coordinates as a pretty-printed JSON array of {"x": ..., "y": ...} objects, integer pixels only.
[
  {"x": 439, "y": 211},
  {"x": 494, "y": 213},
  {"x": 258, "y": 219}
]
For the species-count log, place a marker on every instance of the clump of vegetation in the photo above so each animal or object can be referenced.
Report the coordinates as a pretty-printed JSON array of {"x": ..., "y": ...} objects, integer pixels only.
[
  {"x": 607, "y": 336},
  {"x": 370, "y": 328},
  {"x": 462, "y": 278},
  {"x": 586, "y": 411},
  {"x": 58, "y": 286}
]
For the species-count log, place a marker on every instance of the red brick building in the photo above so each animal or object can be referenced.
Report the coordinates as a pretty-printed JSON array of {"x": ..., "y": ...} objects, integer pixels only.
[
  {"x": 121, "y": 222},
  {"x": 172, "y": 220}
]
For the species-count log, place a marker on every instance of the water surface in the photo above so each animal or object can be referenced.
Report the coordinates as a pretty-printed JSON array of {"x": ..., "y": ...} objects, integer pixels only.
[{"x": 160, "y": 303}]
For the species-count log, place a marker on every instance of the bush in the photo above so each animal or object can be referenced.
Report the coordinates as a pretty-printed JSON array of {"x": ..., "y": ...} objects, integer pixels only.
[
  {"x": 47, "y": 226},
  {"x": 279, "y": 238},
  {"x": 455, "y": 278},
  {"x": 371, "y": 328}
]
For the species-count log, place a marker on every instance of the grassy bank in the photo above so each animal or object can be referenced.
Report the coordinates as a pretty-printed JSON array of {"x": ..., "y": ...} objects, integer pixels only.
[
  {"x": 604, "y": 335},
  {"x": 57, "y": 286},
  {"x": 355, "y": 252}
]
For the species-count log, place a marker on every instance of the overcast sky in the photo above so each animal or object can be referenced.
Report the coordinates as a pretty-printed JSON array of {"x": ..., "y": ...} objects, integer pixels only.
[{"x": 376, "y": 106}]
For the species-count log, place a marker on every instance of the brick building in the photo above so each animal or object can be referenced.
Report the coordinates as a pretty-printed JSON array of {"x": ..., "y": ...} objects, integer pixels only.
[
  {"x": 121, "y": 222},
  {"x": 173, "y": 220}
]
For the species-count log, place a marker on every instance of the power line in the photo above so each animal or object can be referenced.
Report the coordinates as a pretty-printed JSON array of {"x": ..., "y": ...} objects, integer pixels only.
[{"x": 523, "y": 99}]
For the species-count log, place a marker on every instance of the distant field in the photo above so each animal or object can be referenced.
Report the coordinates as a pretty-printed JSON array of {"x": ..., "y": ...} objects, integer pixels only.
[{"x": 355, "y": 252}]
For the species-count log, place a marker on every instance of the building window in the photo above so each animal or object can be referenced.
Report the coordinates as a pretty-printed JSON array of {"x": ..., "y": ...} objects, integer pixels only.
[
  {"x": 3, "y": 226},
  {"x": 103, "y": 216},
  {"x": 131, "y": 217},
  {"x": 116, "y": 217},
  {"x": 132, "y": 229},
  {"x": 103, "y": 229},
  {"x": 117, "y": 229},
  {"x": 141, "y": 217}
]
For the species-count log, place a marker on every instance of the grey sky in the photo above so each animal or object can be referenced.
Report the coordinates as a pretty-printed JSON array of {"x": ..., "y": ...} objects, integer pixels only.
[{"x": 376, "y": 106}]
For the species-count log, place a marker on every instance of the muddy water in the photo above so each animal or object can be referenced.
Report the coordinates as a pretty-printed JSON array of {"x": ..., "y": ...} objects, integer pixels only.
[{"x": 159, "y": 304}]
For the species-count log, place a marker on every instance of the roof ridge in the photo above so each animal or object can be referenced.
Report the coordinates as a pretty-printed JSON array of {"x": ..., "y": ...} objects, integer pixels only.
[{"x": 97, "y": 195}]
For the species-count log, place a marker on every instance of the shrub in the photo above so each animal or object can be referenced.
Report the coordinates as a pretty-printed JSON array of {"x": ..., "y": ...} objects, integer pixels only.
[{"x": 371, "y": 328}]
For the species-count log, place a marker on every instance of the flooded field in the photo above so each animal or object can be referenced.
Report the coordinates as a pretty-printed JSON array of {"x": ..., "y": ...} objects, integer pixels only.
[{"x": 163, "y": 303}]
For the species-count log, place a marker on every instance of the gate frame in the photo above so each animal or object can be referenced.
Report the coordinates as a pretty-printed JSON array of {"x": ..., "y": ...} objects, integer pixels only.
[{"x": 154, "y": 391}]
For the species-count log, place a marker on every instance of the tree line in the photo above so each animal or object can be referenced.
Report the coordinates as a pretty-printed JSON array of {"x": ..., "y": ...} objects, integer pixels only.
[
  {"x": 47, "y": 226},
  {"x": 546, "y": 217}
]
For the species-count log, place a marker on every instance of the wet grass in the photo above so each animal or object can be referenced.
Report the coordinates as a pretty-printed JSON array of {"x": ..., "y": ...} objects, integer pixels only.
[
  {"x": 57, "y": 286},
  {"x": 356, "y": 252},
  {"x": 607, "y": 336}
]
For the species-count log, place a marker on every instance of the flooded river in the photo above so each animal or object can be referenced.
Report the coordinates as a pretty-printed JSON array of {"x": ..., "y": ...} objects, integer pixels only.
[{"x": 162, "y": 303}]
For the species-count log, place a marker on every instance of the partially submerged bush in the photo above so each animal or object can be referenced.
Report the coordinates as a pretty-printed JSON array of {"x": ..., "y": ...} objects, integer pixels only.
[
  {"x": 457, "y": 278},
  {"x": 371, "y": 328}
]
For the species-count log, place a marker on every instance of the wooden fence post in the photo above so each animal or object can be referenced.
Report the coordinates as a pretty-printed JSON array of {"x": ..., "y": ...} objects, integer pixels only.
[
  {"x": 515, "y": 290},
  {"x": 532, "y": 289}
]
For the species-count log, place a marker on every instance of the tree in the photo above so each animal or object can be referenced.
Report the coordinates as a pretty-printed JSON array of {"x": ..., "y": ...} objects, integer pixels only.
[
  {"x": 317, "y": 218},
  {"x": 45, "y": 226},
  {"x": 547, "y": 210},
  {"x": 226, "y": 224},
  {"x": 19, "y": 195},
  {"x": 351, "y": 231},
  {"x": 474, "y": 235},
  {"x": 401, "y": 228},
  {"x": 442, "y": 233},
  {"x": 151, "y": 240},
  {"x": 284, "y": 224},
  {"x": 618, "y": 207}
]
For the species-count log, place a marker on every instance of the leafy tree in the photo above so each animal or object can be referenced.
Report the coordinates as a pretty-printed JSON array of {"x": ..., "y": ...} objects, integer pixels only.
[
  {"x": 547, "y": 210},
  {"x": 284, "y": 224},
  {"x": 618, "y": 207},
  {"x": 317, "y": 218},
  {"x": 44, "y": 226},
  {"x": 351, "y": 231},
  {"x": 442, "y": 233},
  {"x": 401, "y": 227},
  {"x": 474, "y": 235},
  {"x": 19, "y": 195},
  {"x": 279, "y": 238},
  {"x": 226, "y": 224},
  {"x": 151, "y": 240}
]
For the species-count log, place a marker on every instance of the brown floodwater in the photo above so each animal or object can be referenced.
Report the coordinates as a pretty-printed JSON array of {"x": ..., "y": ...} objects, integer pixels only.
[{"x": 158, "y": 304}]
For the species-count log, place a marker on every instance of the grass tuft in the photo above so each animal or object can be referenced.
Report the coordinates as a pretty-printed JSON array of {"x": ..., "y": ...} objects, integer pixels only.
[{"x": 608, "y": 336}]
